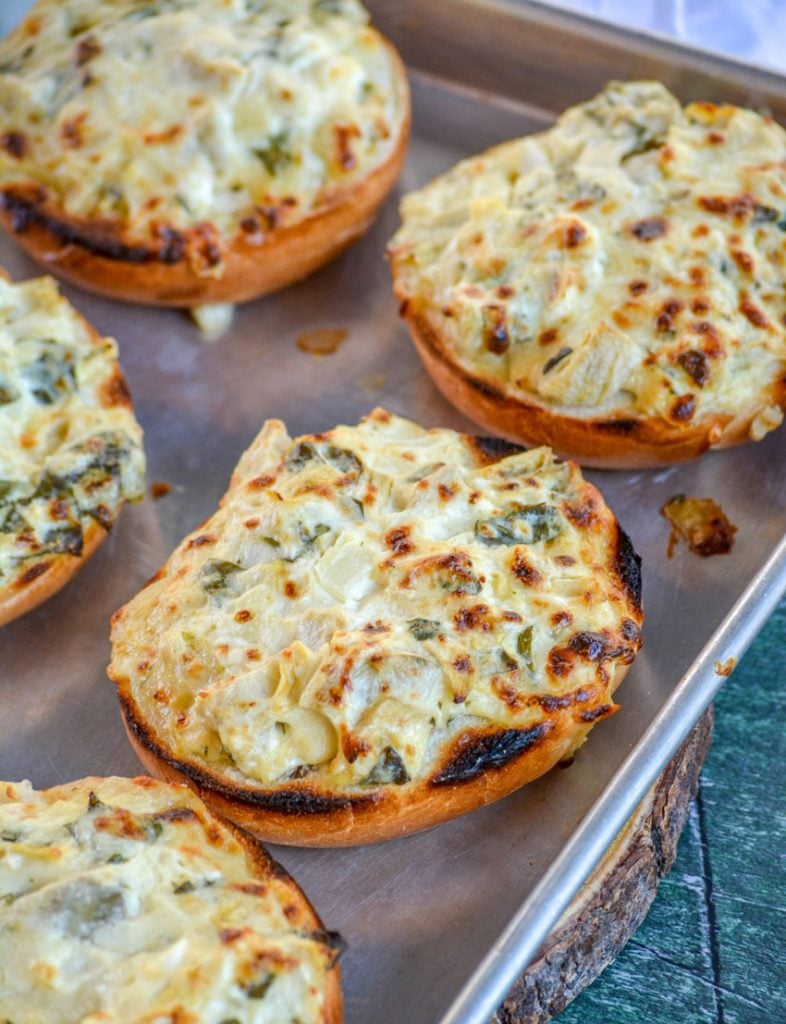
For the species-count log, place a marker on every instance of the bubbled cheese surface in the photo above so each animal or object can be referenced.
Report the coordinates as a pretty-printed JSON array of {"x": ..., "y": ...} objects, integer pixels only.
[
  {"x": 122, "y": 902},
  {"x": 363, "y": 596},
  {"x": 159, "y": 114},
  {"x": 631, "y": 260},
  {"x": 70, "y": 448}
]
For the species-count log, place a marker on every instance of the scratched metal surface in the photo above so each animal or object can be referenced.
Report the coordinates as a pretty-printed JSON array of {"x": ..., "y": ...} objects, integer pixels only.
[{"x": 419, "y": 913}]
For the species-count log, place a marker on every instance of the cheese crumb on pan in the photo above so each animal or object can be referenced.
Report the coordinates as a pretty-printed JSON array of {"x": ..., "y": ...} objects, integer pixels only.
[
  {"x": 124, "y": 900},
  {"x": 213, "y": 320},
  {"x": 625, "y": 266},
  {"x": 701, "y": 523},
  {"x": 380, "y": 608},
  {"x": 70, "y": 447}
]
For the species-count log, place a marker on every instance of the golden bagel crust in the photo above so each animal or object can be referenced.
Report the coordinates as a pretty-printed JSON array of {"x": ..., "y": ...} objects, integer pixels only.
[
  {"x": 70, "y": 447},
  {"x": 200, "y": 153},
  {"x": 28, "y": 592},
  {"x": 166, "y": 910},
  {"x": 611, "y": 443},
  {"x": 381, "y": 628},
  {"x": 614, "y": 286}
]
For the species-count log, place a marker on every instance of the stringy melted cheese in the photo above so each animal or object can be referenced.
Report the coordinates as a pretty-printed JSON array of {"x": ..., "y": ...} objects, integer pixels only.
[
  {"x": 229, "y": 114},
  {"x": 364, "y": 595},
  {"x": 70, "y": 448},
  {"x": 629, "y": 260},
  {"x": 123, "y": 902}
]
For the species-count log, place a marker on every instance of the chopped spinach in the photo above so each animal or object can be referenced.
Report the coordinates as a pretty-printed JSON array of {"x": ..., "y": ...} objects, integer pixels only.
[
  {"x": 257, "y": 989},
  {"x": 594, "y": 115},
  {"x": 389, "y": 768},
  {"x": 310, "y": 537},
  {"x": 215, "y": 575},
  {"x": 424, "y": 629},
  {"x": 15, "y": 65},
  {"x": 460, "y": 582},
  {"x": 509, "y": 663},
  {"x": 114, "y": 198},
  {"x": 644, "y": 142},
  {"x": 153, "y": 829},
  {"x": 590, "y": 190},
  {"x": 7, "y": 393},
  {"x": 50, "y": 376},
  {"x": 343, "y": 459},
  {"x": 84, "y": 906},
  {"x": 763, "y": 214},
  {"x": 524, "y": 648},
  {"x": 65, "y": 540},
  {"x": 527, "y": 524},
  {"x": 340, "y": 458},
  {"x": 96, "y": 478},
  {"x": 107, "y": 452},
  {"x": 275, "y": 154},
  {"x": 51, "y": 486},
  {"x": 12, "y": 521},
  {"x": 307, "y": 538},
  {"x": 300, "y": 456},
  {"x": 93, "y": 486}
]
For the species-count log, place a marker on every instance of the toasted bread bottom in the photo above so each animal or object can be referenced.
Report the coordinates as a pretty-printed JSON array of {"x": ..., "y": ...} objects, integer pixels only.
[
  {"x": 303, "y": 816},
  {"x": 249, "y": 861},
  {"x": 46, "y": 577},
  {"x": 95, "y": 255},
  {"x": 617, "y": 442}
]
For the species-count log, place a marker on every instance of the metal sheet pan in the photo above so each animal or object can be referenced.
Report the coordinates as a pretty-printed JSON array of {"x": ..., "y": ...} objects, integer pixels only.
[{"x": 438, "y": 924}]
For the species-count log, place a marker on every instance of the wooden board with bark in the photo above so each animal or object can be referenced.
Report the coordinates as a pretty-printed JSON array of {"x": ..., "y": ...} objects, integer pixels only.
[{"x": 616, "y": 898}]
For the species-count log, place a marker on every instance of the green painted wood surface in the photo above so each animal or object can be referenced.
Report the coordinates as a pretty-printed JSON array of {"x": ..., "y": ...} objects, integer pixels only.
[{"x": 713, "y": 948}]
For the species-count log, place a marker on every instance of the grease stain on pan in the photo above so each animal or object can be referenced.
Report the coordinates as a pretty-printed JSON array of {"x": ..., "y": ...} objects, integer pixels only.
[{"x": 324, "y": 341}]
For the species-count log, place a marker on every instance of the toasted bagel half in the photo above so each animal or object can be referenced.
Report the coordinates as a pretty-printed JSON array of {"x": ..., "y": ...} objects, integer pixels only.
[
  {"x": 126, "y": 896},
  {"x": 70, "y": 448},
  {"x": 612, "y": 287},
  {"x": 382, "y": 627},
  {"x": 196, "y": 153}
]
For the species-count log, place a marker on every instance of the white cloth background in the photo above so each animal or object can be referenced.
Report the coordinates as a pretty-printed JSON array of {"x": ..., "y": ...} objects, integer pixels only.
[{"x": 752, "y": 29}]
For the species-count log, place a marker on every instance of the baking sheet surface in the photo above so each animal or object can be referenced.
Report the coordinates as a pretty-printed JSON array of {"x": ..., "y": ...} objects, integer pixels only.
[{"x": 418, "y": 913}]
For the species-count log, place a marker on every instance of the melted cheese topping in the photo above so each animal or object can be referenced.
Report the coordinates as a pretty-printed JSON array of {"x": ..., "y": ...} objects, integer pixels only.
[
  {"x": 122, "y": 902},
  {"x": 70, "y": 448},
  {"x": 365, "y": 595},
  {"x": 628, "y": 260},
  {"x": 211, "y": 114}
]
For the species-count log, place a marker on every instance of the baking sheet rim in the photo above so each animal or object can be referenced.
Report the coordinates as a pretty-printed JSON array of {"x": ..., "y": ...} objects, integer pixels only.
[
  {"x": 532, "y": 923},
  {"x": 520, "y": 941}
]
